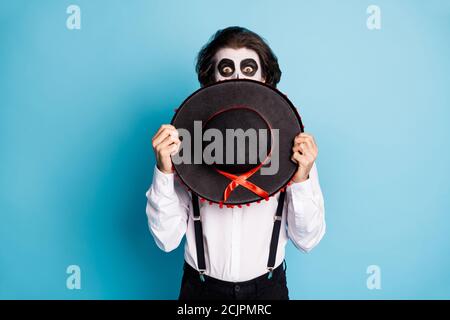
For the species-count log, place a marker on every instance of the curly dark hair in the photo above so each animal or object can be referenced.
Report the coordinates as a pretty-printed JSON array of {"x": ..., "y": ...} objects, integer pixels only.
[{"x": 237, "y": 37}]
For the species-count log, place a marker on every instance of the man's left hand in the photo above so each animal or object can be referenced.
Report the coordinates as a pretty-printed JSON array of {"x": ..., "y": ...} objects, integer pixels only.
[{"x": 304, "y": 153}]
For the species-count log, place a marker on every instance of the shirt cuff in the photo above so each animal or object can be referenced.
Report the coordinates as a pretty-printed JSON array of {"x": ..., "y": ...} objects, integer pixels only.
[
  {"x": 163, "y": 183},
  {"x": 304, "y": 188}
]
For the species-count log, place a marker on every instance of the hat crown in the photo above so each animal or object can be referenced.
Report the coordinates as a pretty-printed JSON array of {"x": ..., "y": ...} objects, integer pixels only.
[{"x": 246, "y": 139}]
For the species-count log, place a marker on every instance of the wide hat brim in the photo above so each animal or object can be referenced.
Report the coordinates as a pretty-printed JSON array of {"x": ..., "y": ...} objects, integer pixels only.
[{"x": 268, "y": 102}]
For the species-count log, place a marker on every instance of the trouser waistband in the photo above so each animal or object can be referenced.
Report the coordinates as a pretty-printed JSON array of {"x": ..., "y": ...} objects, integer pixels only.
[{"x": 276, "y": 273}]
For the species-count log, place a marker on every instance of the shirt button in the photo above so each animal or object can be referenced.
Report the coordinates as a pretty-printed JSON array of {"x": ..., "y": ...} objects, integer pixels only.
[
  {"x": 165, "y": 182},
  {"x": 237, "y": 288}
]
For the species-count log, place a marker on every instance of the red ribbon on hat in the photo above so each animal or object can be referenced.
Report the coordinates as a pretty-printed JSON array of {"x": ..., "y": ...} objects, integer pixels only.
[{"x": 241, "y": 180}]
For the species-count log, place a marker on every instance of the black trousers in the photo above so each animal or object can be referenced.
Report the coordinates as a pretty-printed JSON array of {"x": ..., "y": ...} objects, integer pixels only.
[{"x": 260, "y": 288}]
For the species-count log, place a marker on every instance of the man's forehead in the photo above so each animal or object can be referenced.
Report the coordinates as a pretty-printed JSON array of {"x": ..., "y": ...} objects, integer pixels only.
[{"x": 236, "y": 54}]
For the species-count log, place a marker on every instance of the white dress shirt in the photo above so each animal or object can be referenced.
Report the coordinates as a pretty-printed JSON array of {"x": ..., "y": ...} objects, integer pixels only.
[{"x": 236, "y": 240}]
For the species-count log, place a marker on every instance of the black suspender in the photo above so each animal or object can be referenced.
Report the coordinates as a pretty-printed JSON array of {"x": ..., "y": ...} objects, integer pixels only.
[
  {"x": 198, "y": 230},
  {"x": 275, "y": 234}
]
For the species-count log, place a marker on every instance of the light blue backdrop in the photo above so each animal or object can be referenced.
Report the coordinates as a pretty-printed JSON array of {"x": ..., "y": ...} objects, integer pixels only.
[{"x": 78, "y": 109}]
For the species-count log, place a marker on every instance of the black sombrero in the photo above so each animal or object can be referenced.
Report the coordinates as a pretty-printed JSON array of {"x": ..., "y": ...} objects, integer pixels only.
[{"x": 237, "y": 105}]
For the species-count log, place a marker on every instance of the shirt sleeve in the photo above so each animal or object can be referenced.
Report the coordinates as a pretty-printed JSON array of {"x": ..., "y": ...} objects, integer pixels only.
[
  {"x": 305, "y": 212},
  {"x": 167, "y": 210}
]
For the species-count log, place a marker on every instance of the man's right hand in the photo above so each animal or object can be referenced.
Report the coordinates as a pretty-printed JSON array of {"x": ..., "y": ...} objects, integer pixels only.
[{"x": 165, "y": 144}]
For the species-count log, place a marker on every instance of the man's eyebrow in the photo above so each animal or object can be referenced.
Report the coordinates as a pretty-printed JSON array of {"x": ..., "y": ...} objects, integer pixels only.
[
  {"x": 249, "y": 60},
  {"x": 226, "y": 60}
]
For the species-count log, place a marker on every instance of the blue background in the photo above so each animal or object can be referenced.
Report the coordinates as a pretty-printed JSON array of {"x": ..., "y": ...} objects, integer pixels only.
[{"x": 78, "y": 109}]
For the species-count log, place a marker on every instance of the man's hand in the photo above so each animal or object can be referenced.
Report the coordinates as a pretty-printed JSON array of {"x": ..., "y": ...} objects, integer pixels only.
[
  {"x": 165, "y": 143},
  {"x": 304, "y": 153}
]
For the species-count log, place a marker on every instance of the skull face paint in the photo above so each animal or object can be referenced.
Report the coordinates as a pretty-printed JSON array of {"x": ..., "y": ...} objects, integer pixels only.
[{"x": 239, "y": 63}]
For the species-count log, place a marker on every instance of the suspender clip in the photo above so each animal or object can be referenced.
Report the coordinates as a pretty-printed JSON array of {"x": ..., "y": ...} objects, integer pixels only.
[
  {"x": 196, "y": 218},
  {"x": 201, "y": 273},
  {"x": 270, "y": 272},
  {"x": 276, "y": 218}
]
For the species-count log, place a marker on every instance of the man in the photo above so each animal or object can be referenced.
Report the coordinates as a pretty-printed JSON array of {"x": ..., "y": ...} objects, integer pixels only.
[{"x": 236, "y": 240}]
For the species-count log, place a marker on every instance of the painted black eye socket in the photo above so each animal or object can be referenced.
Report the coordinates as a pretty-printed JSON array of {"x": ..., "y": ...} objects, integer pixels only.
[
  {"x": 249, "y": 67},
  {"x": 226, "y": 67}
]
